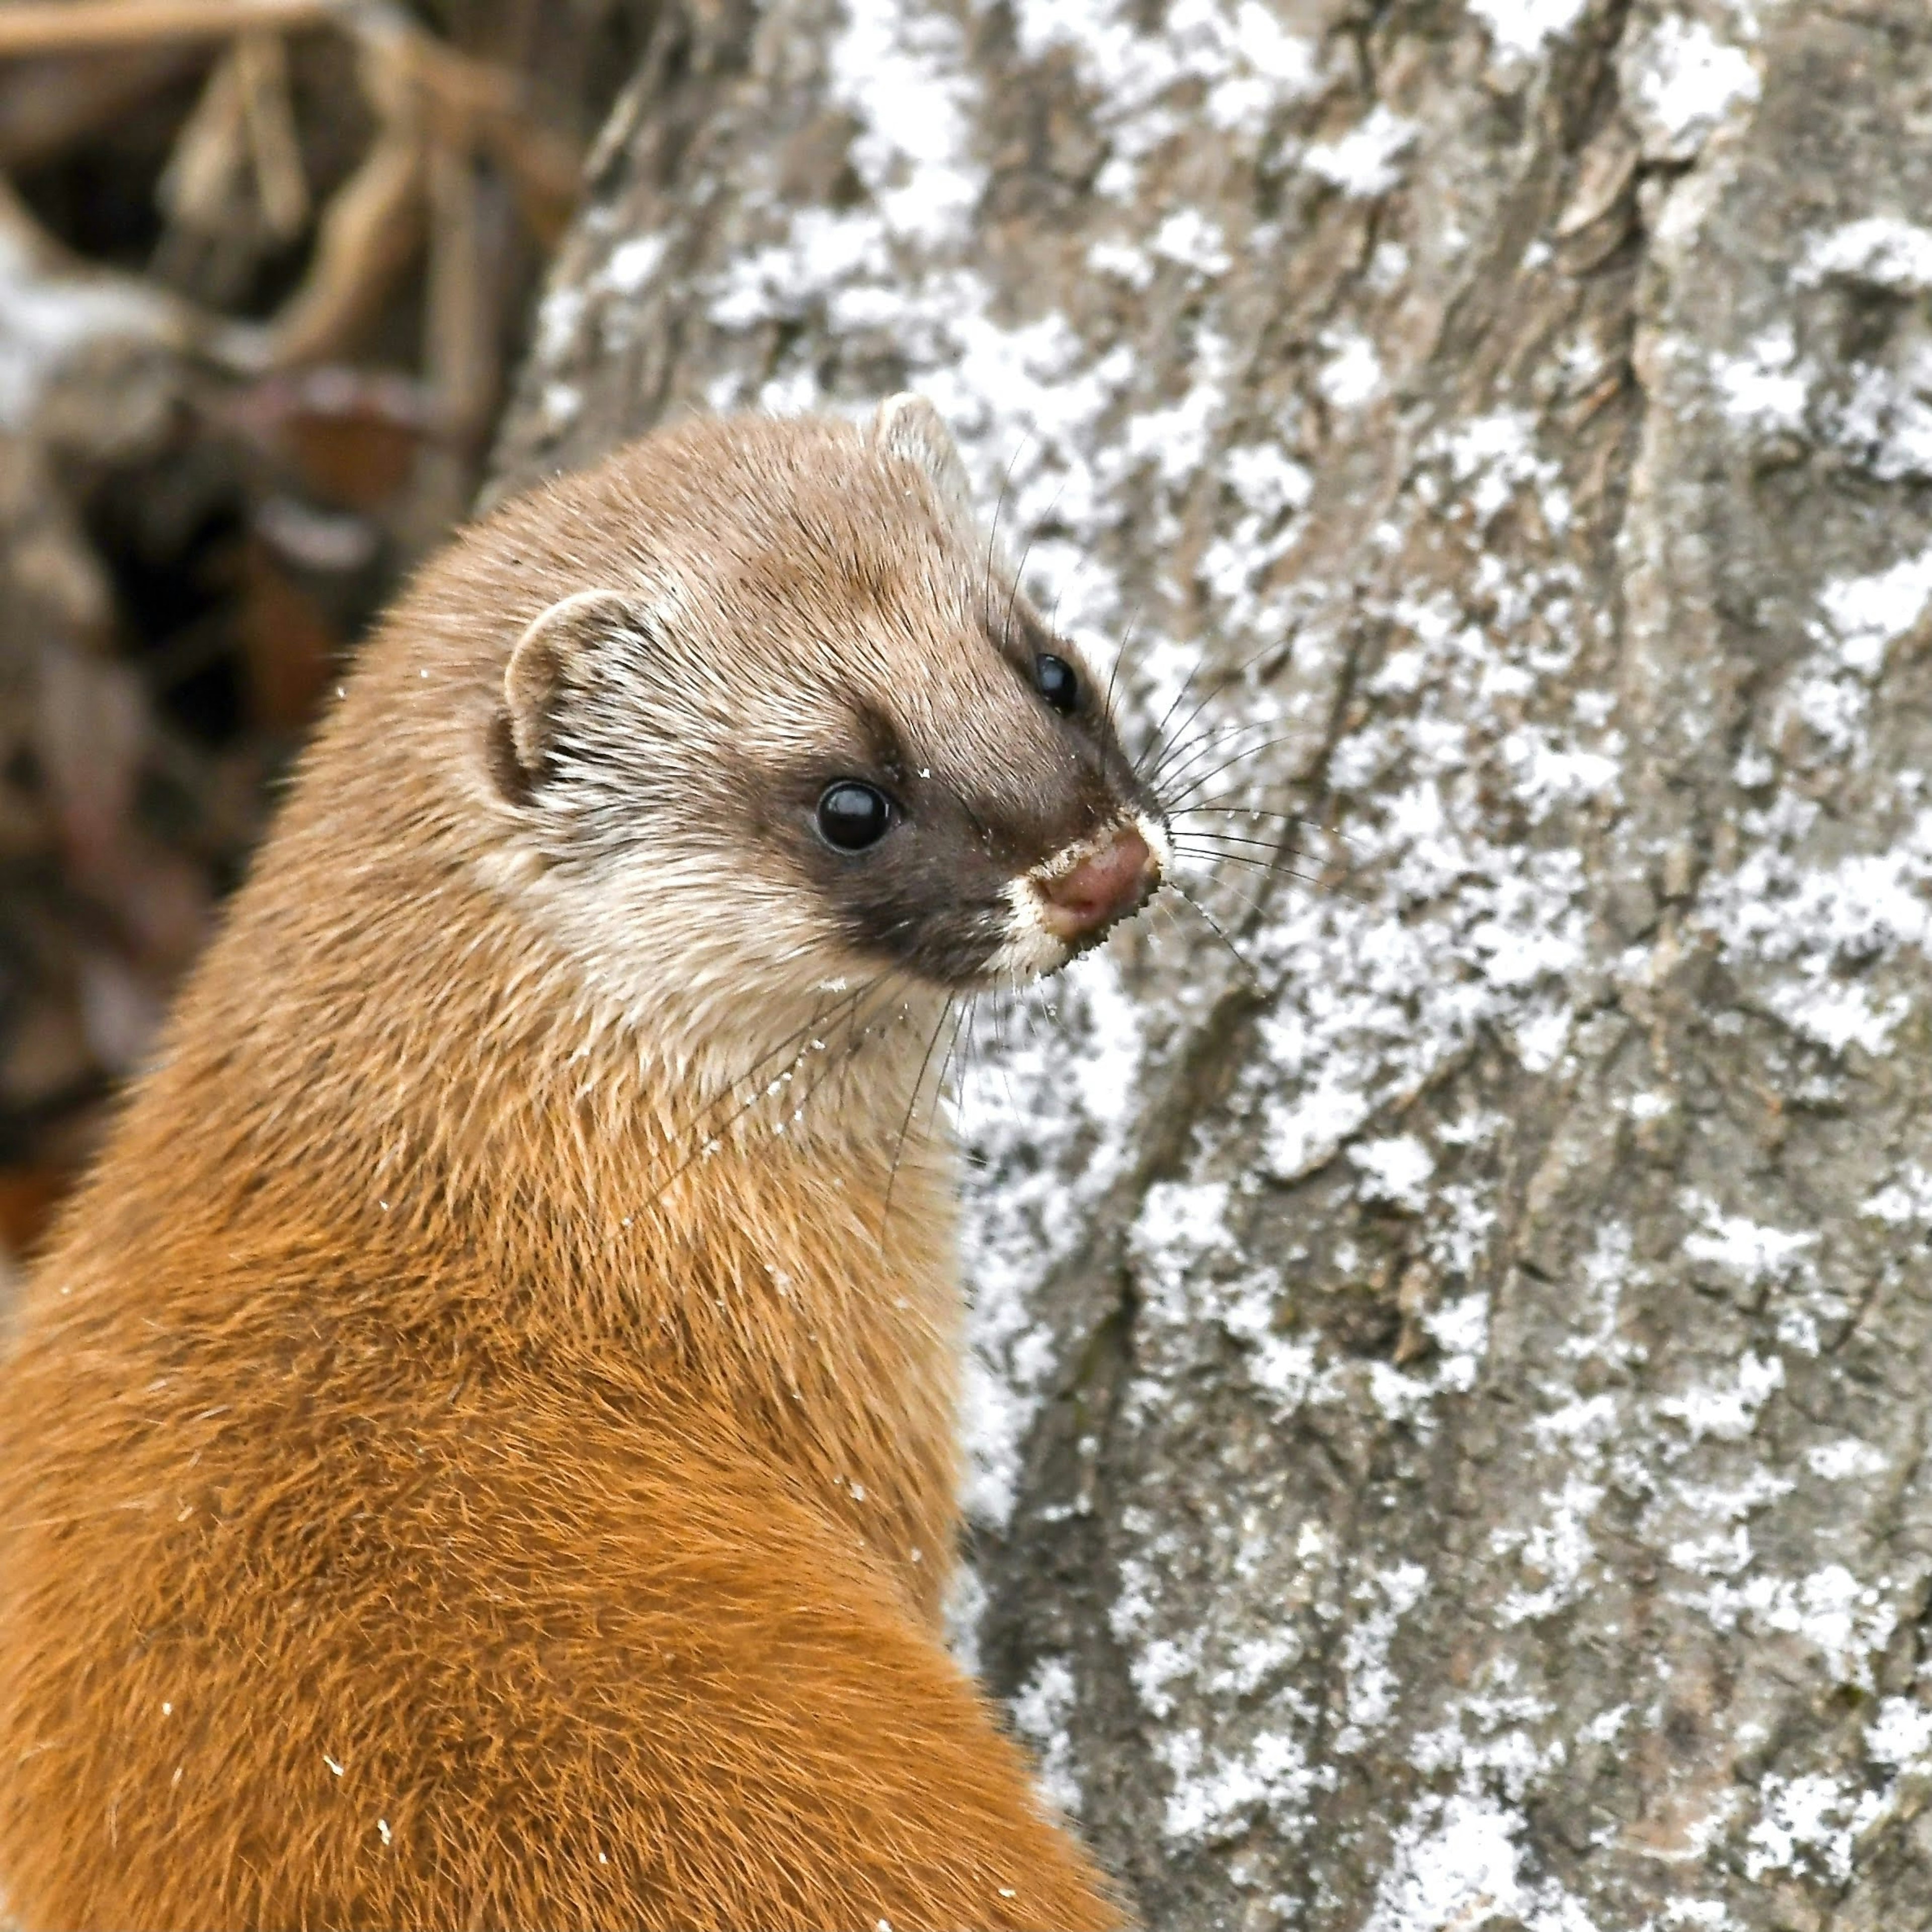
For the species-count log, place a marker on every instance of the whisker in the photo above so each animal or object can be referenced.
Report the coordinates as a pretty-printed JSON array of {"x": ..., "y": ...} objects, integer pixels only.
[
  {"x": 1215, "y": 737},
  {"x": 1251, "y": 904},
  {"x": 846, "y": 1009},
  {"x": 993, "y": 533},
  {"x": 959, "y": 1063},
  {"x": 1226, "y": 679},
  {"x": 1232, "y": 676},
  {"x": 1119, "y": 659},
  {"x": 1315, "y": 881},
  {"x": 1269, "y": 868},
  {"x": 1251, "y": 854},
  {"x": 1284, "y": 844},
  {"x": 965, "y": 1073},
  {"x": 1214, "y": 926},
  {"x": 976, "y": 1042},
  {"x": 1235, "y": 844},
  {"x": 1207, "y": 778},
  {"x": 1234, "y": 838},
  {"x": 846, "y": 1014},
  {"x": 962, "y": 1001},
  {"x": 1182, "y": 748},
  {"x": 859, "y": 1029},
  {"x": 824, "y": 1020},
  {"x": 1260, "y": 811},
  {"x": 1019, "y": 575},
  {"x": 912, "y": 1104},
  {"x": 1000, "y": 1047},
  {"x": 1155, "y": 737},
  {"x": 1205, "y": 760},
  {"x": 965, "y": 1006},
  {"x": 1301, "y": 819}
]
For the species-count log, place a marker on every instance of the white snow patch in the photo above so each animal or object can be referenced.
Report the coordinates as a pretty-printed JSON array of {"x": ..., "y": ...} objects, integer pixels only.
[
  {"x": 1370, "y": 1686},
  {"x": 1813, "y": 1822},
  {"x": 1455, "y": 1863},
  {"x": 1880, "y": 250},
  {"x": 1838, "y": 1461},
  {"x": 1051, "y": 1086},
  {"x": 1248, "y": 64},
  {"x": 965, "y": 1605},
  {"x": 1175, "y": 436},
  {"x": 1268, "y": 483},
  {"x": 780, "y": 281},
  {"x": 1728, "y": 1414},
  {"x": 1211, "y": 1799},
  {"x": 1603, "y": 1728},
  {"x": 1363, "y": 161},
  {"x": 1688, "y": 81},
  {"x": 1847, "y": 1622},
  {"x": 1353, "y": 373},
  {"x": 1125, "y": 259},
  {"x": 1549, "y": 772},
  {"x": 1809, "y": 922},
  {"x": 1396, "y": 1170},
  {"x": 1906, "y": 1198},
  {"x": 633, "y": 263},
  {"x": 1554, "y": 1552},
  {"x": 1765, "y": 389},
  {"x": 1866, "y": 613},
  {"x": 1194, "y": 240},
  {"x": 558, "y": 317},
  {"x": 916, "y": 97},
  {"x": 1747, "y": 1248},
  {"x": 1519, "y": 28},
  {"x": 1040, "y": 1711},
  {"x": 1461, "y": 1329},
  {"x": 1900, "y": 1734},
  {"x": 1610, "y": 1263},
  {"x": 1160, "y": 1662},
  {"x": 1493, "y": 457},
  {"x": 1180, "y": 1224},
  {"x": 1886, "y": 420},
  {"x": 1284, "y": 1368}
]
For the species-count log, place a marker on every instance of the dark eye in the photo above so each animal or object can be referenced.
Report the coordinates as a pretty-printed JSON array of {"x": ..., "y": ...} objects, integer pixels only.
[
  {"x": 852, "y": 815},
  {"x": 1058, "y": 683}
]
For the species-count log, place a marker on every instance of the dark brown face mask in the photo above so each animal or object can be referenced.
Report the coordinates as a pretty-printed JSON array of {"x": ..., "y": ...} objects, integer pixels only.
[{"x": 920, "y": 854}]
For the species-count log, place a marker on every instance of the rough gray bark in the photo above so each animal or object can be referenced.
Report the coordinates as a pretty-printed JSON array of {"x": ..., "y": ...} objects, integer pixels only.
[{"x": 1450, "y": 1449}]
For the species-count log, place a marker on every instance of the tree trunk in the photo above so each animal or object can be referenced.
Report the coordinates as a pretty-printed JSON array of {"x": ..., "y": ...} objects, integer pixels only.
[{"x": 1453, "y": 1386}]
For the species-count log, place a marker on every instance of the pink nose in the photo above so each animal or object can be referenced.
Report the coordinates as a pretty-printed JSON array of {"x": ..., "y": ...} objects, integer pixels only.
[{"x": 1109, "y": 883}]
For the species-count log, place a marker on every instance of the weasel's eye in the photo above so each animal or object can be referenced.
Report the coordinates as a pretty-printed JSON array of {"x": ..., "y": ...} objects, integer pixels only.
[
  {"x": 1059, "y": 683},
  {"x": 852, "y": 816}
]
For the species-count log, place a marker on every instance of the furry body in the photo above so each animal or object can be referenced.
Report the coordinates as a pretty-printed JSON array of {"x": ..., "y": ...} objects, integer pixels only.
[{"x": 433, "y": 1491}]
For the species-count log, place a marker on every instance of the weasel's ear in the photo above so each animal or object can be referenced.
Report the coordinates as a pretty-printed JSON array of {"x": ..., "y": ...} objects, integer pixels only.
[
  {"x": 535, "y": 679},
  {"x": 907, "y": 426}
]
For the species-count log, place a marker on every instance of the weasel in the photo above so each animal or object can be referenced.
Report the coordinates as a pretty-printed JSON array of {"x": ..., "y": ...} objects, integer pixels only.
[{"x": 479, "y": 1450}]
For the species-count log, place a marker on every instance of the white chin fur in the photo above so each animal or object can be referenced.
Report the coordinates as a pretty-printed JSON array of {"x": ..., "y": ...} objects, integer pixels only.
[{"x": 1031, "y": 948}]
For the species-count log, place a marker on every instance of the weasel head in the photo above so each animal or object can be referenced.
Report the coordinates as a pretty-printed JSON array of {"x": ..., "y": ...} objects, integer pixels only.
[{"x": 798, "y": 734}]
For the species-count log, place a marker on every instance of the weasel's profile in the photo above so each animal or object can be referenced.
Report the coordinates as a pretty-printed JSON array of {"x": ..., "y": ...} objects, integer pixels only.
[{"x": 480, "y": 1450}]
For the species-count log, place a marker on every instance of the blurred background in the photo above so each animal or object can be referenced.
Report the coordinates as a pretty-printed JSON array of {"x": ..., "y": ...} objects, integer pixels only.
[{"x": 263, "y": 266}]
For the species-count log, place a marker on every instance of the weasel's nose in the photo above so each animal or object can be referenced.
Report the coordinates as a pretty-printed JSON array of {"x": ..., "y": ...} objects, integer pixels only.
[{"x": 1112, "y": 881}]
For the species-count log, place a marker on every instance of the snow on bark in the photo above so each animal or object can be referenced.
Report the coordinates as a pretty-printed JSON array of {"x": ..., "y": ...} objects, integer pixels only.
[{"x": 1450, "y": 1389}]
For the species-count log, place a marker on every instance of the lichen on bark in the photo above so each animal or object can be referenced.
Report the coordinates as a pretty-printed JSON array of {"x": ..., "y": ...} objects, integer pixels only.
[{"x": 1451, "y": 1385}]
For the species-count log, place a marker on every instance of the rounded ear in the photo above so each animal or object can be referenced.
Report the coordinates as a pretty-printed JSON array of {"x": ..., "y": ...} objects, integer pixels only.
[
  {"x": 539, "y": 667},
  {"x": 908, "y": 427}
]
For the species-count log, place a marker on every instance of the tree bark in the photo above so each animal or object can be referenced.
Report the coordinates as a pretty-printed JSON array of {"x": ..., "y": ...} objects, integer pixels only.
[{"x": 1450, "y": 1413}]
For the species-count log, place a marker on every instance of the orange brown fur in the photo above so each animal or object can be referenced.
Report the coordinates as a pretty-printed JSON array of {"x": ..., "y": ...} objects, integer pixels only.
[{"x": 429, "y": 1496}]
